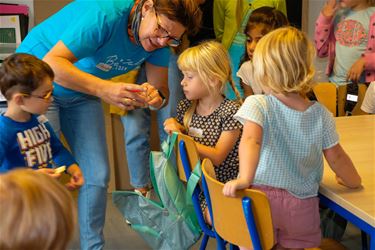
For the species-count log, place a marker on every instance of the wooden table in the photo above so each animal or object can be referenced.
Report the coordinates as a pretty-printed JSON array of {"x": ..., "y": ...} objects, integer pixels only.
[{"x": 357, "y": 137}]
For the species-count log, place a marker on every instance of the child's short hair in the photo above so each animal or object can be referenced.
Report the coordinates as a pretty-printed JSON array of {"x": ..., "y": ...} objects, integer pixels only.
[
  {"x": 24, "y": 73},
  {"x": 210, "y": 60},
  {"x": 284, "y": 61},
  {"x": 37, "y": 212}
]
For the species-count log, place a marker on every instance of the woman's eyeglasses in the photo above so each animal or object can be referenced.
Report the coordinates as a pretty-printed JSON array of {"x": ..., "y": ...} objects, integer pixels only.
[
  {"x": 163, "y": 33},
  {"x": 45, "y": 97}
]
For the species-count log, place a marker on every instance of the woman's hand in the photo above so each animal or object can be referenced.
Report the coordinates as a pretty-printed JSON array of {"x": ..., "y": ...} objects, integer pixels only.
[
  {"x": 330, "y": 8},
  {"x": 153, "y": 97},
  {"x": 355, "y": 71},
  {"x": 76, "y": 179},
  {"x": 127, "y": 96},
  {"x": 171, "y": 125}
]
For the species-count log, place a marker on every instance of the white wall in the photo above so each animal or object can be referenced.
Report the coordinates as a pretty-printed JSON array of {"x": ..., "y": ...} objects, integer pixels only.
[
  {"x": 314, "y": 7},
  {"x": 29, "y": 3}
]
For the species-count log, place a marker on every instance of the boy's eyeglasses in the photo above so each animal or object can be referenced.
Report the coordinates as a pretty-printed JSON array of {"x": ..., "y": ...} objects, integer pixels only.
[
  {"x": 163, "y": 33},
  {"x": 45, "y": 97}
]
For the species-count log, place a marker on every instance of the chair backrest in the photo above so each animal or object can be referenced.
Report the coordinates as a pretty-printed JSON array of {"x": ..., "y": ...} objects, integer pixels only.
[
  {"x": 187, "y": 159},
  {"x": 326, "y": 93},
  {"x": 192, "y": 153},
  {"x": 228, "y": 213}
]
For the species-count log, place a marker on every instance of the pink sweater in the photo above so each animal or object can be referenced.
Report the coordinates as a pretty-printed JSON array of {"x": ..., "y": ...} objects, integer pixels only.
[{"x": 325, "y": 42}]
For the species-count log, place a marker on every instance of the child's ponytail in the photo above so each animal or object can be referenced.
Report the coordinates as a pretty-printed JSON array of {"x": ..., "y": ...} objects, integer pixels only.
[
  {"x": 189, "y": 115},
  {"x": 231, "y": 82}
]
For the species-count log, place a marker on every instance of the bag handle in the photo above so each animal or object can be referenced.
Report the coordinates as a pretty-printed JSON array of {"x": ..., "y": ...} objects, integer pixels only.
[
  {"x": 194, "y": 178},
  {"x": 168, "y": 145},
  {"x": 167, "y": 149}
]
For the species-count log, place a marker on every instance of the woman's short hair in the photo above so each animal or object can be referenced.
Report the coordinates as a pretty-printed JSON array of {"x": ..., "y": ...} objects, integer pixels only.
[
  {"x": 37, "y": 212},
  {"x": 284, "y": 61},
  {"x": 185, "y": 12}
]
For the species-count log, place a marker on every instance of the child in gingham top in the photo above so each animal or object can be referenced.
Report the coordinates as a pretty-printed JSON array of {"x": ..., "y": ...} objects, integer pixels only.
[
  {"x": 284, "y": 139},
  {"x": 289, "y": 137}
]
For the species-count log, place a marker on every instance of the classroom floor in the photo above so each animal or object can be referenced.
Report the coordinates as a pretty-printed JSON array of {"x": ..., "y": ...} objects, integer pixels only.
[{"x": 120, "y": 236}]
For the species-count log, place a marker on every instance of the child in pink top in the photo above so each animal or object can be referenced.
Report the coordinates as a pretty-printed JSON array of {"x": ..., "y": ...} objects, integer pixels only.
[{"x": 345, "y": 32}]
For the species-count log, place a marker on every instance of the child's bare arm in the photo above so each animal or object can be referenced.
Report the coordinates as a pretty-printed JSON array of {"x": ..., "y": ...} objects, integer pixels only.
[
  {"x": 343, "y": 166},
  {"x": 224, "y": 145},
  {"x": 249, "y": 153}
]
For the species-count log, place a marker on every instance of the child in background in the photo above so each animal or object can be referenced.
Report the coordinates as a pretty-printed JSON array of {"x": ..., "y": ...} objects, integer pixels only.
[
  {"x": 37, "y": 212},
  {"x": 261, "y": 21},
  {"x": 368, "y": 104},
  {"x": 284, "y": 139},
  {"x": 230, "y": 19},
  {"x": 206, "y": 115},
  {"x": 345, "y": 32},
  {"x": 27, "y": 139}
]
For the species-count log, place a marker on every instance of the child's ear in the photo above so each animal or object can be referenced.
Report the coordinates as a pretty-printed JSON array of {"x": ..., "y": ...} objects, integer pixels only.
[
  {"x": 214, "y": 82},
  {"x": 18, "y": 99}
]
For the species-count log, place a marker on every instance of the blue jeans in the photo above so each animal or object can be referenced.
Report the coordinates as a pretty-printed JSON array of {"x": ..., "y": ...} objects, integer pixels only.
[
  {"x": 81, "y": 121},
  {"x": 137, "y": 125}
]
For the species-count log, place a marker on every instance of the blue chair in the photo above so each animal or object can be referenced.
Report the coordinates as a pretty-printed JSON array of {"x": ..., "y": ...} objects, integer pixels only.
[{"x": 187, "y": 159}]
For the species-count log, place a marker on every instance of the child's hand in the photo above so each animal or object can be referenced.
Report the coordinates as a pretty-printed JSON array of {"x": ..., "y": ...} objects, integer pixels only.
[
  {"x": 171, "y": 125},
  {"x": 330, "y": 8},
  {"x": 76, "y": 179},
  {"x": 341, "y": 182},
  {"x": 355, "y": 71},
  {"x": 50, "y": 172},
  {"x": 231, "y": 187}
]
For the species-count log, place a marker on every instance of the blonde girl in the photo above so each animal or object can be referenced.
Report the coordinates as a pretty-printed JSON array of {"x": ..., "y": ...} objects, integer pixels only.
[
  {"x": 285, "y": 137},
  {"x": 345, "y": 33},
  {"x": 206, "y": 115},
  {"x": 261, "y": 21},
  {"x": 37, "y": 212}
]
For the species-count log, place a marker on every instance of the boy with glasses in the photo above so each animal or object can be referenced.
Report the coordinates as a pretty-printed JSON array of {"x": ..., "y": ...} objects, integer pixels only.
[{"x": 26, "y": 138}]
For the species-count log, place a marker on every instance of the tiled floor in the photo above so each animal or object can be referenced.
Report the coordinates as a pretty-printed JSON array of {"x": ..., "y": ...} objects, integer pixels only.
[{"x": 120, "y": 236}]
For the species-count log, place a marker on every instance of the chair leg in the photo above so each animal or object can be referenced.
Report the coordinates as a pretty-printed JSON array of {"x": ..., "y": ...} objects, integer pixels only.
[
  {"x": 233, "y": 247},
  {"x": 364, "y": 240},
  {"x": 220, "y": 243},
  {"x": 204, "y": 242}
]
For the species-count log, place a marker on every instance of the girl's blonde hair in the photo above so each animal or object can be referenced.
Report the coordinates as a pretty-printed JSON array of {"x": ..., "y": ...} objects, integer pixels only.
[
  {"x": 37, "y": 212},
  {"x": 284, "y": 61},
  {"x": 211, "y": 61}
]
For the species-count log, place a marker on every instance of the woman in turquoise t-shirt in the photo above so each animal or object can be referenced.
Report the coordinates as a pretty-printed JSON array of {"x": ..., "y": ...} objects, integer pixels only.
[{"x": 87, "y": 43}]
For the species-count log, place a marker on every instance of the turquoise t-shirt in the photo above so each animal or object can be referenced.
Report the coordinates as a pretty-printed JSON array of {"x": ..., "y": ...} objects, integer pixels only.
[
  {"x": 291, "y": 155},
  {"x": 95, "y": 32}
]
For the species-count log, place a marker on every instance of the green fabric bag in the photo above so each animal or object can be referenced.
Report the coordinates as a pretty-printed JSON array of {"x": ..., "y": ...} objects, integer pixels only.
[{"x": 170, "y": 223}]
